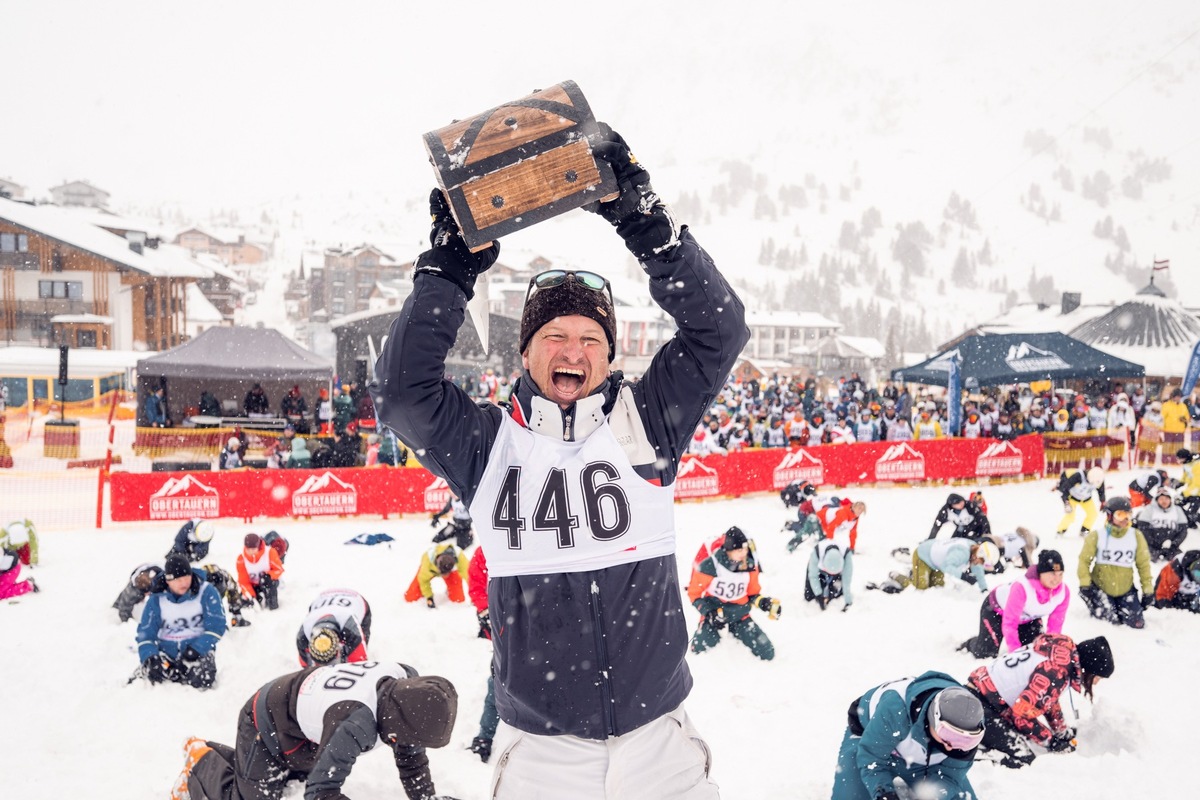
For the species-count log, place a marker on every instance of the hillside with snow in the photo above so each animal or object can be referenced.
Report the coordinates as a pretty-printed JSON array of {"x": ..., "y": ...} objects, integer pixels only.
[{"x": 908, "y": 171}]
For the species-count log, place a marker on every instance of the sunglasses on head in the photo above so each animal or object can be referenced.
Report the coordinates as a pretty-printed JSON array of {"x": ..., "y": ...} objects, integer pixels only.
[{"x": 557, "y": 277}]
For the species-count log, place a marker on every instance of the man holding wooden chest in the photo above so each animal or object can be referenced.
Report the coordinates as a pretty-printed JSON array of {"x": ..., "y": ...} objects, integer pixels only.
[{"x": 570, "y": 486}]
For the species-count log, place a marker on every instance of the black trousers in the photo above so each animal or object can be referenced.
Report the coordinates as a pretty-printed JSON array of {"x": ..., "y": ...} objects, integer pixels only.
[
  {"x": 991, "y": 634},
  {"x": 248, "y": 772}
]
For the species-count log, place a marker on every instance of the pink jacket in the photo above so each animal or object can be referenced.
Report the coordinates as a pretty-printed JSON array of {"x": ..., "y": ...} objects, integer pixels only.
[{"x": 1014, "y": 606}]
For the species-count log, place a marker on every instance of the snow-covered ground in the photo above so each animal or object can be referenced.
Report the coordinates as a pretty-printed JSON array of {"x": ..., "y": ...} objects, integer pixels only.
[{"x": 71, "y": 727}]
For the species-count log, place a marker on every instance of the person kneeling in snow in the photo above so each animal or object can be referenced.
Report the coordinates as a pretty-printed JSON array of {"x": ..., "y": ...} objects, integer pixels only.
[
  {"x": 1178, "y": 584},
  {"x": 312, "y": 726},
  {"x": 10, "y": 573},
  {"x": 723, "y": 588},
  {"x": 182, "y": 622},
  {"x": 440, "y": 561},
  {"x": 825, "y": 582},
  {"x": 336, "y": 630},
  {"x": 1012, "y": 613},
  {"x": 934, "y": 559},
  {"x": 1106, "y": 566},
  {"x": 259, "y": 569},
  {"x": 913, "y": 737},
  {"x": 135, "y": 591},
  {"x": 193, "y": 539},
  {"x": 22, "y": 537},
  {"x": 1020, "y": 689}
]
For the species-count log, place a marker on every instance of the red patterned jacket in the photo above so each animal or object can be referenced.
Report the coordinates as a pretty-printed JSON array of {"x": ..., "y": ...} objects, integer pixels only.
[{"x": 1045, "y": 667}]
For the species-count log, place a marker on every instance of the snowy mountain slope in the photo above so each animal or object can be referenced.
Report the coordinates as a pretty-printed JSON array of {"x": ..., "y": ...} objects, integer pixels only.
[
  {"x": 72, "y": 726},
  {"x": 891, "y": 108}
]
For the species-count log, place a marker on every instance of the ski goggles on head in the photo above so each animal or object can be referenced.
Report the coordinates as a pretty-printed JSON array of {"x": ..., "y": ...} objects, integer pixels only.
[
  {"x": 953, "y": 736},
  {"x": 557, "y": 277}
]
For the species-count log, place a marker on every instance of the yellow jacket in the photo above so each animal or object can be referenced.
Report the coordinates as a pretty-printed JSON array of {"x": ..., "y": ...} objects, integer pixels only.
[
  {"x": 428, "y": 569},
  {"x": 1175, "y": 417}
]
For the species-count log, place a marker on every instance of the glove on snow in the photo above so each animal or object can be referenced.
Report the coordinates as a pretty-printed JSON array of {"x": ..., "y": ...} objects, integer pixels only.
[
  {"x": 154, "y": 669},
  {"x": 1147, "y": 601},
  {"x": 772, "y": 606},
  {"x": 485, "y": 624},
  {"x": 1061, "y": 743},
  {"x": 429, "y": 602},
  {"x": 449, "y": 256},
  {"x": 716, "y": 618},
  {"x": 639, "y": 215}
]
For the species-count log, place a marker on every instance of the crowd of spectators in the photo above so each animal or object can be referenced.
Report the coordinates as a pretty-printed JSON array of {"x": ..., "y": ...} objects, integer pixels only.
[{"x": 779, "y": 411}]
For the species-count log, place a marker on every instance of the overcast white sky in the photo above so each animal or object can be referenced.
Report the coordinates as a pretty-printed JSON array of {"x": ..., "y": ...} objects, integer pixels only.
[
  {"x": 227, "y": 104},
  {"x": 222, "y": 98}
]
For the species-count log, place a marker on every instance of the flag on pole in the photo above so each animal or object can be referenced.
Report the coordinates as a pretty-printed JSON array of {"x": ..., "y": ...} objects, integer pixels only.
[{"x": 1162, "y": 264}]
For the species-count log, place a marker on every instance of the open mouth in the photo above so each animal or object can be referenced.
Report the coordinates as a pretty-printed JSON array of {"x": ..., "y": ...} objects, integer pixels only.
[{"x": 567, "y": 380}]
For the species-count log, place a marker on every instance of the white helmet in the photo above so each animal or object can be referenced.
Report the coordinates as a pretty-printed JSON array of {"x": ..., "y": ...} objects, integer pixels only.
[
  {"x": 989, "y": 553},
  {"x": 203, "y": 530},
  {"x": 18, "y": 534},
  {"x": 233, "y": 443},
  {"x": 1095, "y": 476}
]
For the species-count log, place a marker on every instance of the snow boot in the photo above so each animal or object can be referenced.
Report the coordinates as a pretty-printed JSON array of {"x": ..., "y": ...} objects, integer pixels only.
[
  {"x": 238, "y": 621},
  {"x": 194, "y": 749},
  {"x": 481, "y": 747}
]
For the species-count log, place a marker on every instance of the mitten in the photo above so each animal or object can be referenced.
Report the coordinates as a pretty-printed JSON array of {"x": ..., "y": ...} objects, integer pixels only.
[
  {"x": 715, "y": 618},
  {"x": 1147, "y": 600},
  {"x": 154, "y": 669},
  {"x": 429, "y": 602},
  {"x": 1059, "y": 743},
  {"x": 190, "y": 654},
  {"x": 640, "y": 217},
  {"x": 449, "y": 256}
]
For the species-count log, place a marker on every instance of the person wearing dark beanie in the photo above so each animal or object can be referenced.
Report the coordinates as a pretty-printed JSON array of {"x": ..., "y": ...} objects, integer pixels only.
[
  {"x": 570, "y": 484},
  {"x": 1011, "y": 615},
  {"x": 1022, "y": 695}
]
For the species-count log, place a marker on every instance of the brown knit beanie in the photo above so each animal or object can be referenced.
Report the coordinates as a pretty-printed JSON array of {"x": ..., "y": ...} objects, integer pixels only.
[{"x": 568, "y": 298}]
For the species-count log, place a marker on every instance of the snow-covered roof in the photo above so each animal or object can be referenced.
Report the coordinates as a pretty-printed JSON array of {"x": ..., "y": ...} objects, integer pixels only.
[
  {"x": 1042, "y": 318},
  {"x": 790, "y": 319},
  {"x": 106, "y": 219},
  {"x": 850, "y": 346},
  {"x": 82, "y": 362},
  {"x": 69, "y": 184},
  {"x": 1151, "y": 329},
  {"x": 57, "y": 223},
  {"x": 82, "y": 319},
  {"x": 199, "y": 309}
]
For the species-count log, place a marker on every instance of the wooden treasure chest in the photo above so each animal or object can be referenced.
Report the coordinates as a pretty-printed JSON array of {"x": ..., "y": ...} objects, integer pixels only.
[{"x": 520, "y": 163}]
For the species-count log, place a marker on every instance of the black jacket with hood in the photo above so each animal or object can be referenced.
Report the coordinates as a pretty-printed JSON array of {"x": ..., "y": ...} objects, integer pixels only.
[{"x": 614, "y": 639}]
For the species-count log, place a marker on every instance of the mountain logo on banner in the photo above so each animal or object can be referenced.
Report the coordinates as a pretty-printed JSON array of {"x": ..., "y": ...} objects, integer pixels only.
[
  {"x": 1024, "y": 357},
  {"x": 185, "y": 498},
  {"x": 696, "y": 479},
  {"x": 800, "y": 465},
  {"x": 1000, "y": 458},
  {"x": 324, "y": 494},
  {"x": 900, "y": 463},
  {"x": 437, "y": 494}
]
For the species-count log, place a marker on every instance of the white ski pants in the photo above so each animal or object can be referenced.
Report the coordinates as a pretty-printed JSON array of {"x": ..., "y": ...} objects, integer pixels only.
[{"x": 663, "y": 760}]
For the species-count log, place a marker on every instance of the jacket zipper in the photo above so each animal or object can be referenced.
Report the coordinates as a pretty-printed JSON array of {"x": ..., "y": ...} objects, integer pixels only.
[
  {"x": 603, "y": 666},
  {"x": 566, "y": 427}
]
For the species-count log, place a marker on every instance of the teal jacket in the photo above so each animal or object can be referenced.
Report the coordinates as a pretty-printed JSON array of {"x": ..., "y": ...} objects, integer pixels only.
[{"x": 895, "y": 740}]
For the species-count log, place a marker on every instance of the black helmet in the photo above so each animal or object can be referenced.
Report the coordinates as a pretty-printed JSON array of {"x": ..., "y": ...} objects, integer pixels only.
[{"x": 1117, "y": 504}]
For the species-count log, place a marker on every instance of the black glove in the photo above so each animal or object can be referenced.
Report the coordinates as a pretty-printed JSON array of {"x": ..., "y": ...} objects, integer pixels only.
[
  {"x": 449, "y": 256},
  {"x": 772, "y": 606},
  {"x": 715, "y": 618},
  {"x": 1061, "y": 743},
  {"x": 437, "y": 520},
  {"x": 190, "y": 654},
  {"x": 821, "y": 602},
  {"x": 429, "y": 602},
  {"x": 1147, "y": 601},
  {"x": 154, "y": 669},
  {"x": 485, "y": 624},
  {"x": 640, "y": 217}
]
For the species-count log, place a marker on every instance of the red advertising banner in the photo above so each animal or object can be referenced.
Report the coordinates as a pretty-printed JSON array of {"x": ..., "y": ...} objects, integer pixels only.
[{"x": 348, "y": 492}]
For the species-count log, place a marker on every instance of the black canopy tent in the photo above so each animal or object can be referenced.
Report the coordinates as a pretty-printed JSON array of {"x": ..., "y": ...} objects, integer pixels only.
[
  {"x": 999, "y": 359},
  {"x": 228, "y": 361}
]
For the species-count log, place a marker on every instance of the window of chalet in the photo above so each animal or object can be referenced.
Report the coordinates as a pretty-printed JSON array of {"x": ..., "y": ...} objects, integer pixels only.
[
  {"x": 14, "y": 243},
  {"x": 60, "y": 290}
]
